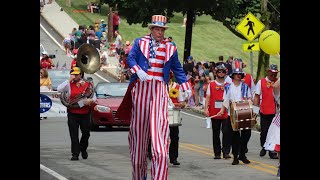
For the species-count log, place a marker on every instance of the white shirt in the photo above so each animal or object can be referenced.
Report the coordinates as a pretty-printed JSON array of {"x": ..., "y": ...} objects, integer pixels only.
[
  {"x": 219, "y": 84},
  {"x": 233, "y": 94},
  {"x": 118, "y": 41}
]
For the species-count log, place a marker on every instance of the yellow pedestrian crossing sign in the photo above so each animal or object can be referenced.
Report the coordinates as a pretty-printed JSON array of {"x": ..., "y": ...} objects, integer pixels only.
[
  {"x": 254, "y": 46},
  {"x": 250, "y": 27}
]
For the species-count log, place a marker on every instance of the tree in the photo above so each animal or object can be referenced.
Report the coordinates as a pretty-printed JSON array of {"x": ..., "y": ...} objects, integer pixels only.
[{"x": 229, "y": 12}]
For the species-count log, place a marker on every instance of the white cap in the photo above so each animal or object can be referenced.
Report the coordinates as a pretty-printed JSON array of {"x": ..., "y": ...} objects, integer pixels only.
[
  {"x": 45, "y": 52},
  {"x": 102, "y": 19}
]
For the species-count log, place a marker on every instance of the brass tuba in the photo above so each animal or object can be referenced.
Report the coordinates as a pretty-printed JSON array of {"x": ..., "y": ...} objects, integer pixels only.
[{"x": 88, "y": 60}]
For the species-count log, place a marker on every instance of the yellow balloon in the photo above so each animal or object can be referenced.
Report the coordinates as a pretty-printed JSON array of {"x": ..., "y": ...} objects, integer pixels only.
[{"x": 269, "y": 42}]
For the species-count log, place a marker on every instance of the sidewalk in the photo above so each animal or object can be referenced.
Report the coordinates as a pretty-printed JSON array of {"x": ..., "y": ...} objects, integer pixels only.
[{"x": 64, "y": 24}]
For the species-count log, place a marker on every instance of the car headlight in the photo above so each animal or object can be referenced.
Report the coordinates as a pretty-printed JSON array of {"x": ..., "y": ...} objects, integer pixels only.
[{"x": 100, "y": 108}]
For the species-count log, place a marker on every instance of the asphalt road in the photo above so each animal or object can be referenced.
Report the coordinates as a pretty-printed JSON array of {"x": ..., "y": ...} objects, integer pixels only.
[{"x": 109, "y": 152}]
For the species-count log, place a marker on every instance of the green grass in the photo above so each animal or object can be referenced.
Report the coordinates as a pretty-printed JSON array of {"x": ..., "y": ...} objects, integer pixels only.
[{"x": 210, "y": 38}]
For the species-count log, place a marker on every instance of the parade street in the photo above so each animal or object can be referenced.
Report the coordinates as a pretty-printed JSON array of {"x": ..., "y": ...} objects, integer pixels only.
[{"x": 108, "y": 151}]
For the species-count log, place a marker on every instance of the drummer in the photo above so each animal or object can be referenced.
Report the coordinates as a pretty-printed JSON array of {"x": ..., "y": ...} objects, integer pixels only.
[
  {"x": 176, "y": 96},
  {"x": 237, "y": 91}
]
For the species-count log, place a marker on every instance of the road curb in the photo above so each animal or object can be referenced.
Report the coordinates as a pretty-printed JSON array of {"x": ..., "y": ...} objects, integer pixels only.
[{"x": 45, "y": 19}]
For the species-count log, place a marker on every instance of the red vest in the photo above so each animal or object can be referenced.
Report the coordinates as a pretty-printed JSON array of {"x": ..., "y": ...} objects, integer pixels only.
[
  {"x": 216, "y": 93},
  {"x": 77, "y": 88},
  {"x": 268, "y": 103}
]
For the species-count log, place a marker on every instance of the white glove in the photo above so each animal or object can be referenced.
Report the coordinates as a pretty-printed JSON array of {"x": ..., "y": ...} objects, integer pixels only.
[
  {"x": 143, "y": 76},
  {"x": 188, "y": 93}
]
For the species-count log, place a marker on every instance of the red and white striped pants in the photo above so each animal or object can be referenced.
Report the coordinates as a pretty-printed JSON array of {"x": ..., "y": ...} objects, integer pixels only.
[{"x": 149, "y": 120}]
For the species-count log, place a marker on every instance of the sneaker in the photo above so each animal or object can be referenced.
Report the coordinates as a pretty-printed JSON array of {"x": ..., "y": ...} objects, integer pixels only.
[
  {"x": 278, "y": 174},
  {"x": 263, "y": 152}
]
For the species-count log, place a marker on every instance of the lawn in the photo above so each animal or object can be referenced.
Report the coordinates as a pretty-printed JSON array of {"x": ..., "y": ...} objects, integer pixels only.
[{"x": 210, "y": 38}]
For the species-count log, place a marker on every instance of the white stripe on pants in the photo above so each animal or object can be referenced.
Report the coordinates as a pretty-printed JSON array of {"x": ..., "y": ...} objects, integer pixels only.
[{"x": 149, "y": 120}]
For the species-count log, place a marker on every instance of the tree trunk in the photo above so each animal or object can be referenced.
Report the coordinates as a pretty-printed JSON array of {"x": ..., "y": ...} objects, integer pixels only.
[
  {"x": 264, "y": 59},
  {"x": 68, "y": 3},
  {"x": 110, "y": 25},
  {"x": 188, "y": 36}
]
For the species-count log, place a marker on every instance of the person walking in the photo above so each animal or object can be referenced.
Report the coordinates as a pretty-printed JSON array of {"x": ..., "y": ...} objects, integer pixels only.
[
  {"x": 78, "y": 116},
  {"x": 150, "y": 61},
  {"x": 237, "y": 91},
  {"x": 213, "y": 105},
  {"x": 264, "y": 98}
]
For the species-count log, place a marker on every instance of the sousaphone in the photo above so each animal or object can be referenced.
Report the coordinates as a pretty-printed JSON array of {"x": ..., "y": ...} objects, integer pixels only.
[{"x": 88, "y": 59}]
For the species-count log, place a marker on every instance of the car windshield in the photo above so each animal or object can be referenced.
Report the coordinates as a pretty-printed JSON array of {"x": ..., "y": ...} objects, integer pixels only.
[
  {"x": 111, "y": 89},
  {"x": 58, "y": 76}
]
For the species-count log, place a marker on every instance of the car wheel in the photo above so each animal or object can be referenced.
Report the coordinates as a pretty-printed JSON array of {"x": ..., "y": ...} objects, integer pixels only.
[{"x": 93, "y": 126}]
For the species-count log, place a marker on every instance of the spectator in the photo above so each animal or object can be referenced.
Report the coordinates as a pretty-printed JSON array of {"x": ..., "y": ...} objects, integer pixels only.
[
  {"x": 118, "y": 42},
  {"x": 188, "y": 67},
  {"x": 116, "y": 20},
  {"x": 46, "y": 61},
  {"x": 67, "y": 45},
  {"x": 92, "y": 6},
  {"x": 102, "y": 26},
  {"x": 229, "y": 65},
  {"x": 220, "y": 61},
  {"x": 170, "y": 40},
  {"x": 45, "y": 81},
  {"x": 128, "y": 47},
  {"x": 74, "y": 58}
]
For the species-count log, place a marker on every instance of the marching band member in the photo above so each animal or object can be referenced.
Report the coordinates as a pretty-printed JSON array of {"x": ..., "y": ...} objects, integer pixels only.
[
  {"x": 150, "y": 61},
  {"x": 177, "y": 97},
  {"x": 79, "y": 116},
  {"x": 213, "y": 105},
  {"x": 265, "y": 99},
  {"x": 237, "y": 91}
]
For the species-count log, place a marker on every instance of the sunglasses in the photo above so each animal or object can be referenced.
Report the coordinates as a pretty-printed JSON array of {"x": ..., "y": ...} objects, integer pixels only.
[{"x": 221, "y": 71}]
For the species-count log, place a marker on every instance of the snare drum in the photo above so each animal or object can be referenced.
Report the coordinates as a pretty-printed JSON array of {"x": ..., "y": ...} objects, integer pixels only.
[
  {"x": 242, "y": 115},
  {"x": 174, "y": 116}
]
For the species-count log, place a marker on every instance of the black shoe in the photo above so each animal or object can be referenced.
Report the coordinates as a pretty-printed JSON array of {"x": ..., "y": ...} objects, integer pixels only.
[
  {"x": 273, "y": 156},
  {"x": 263, "y": 152},
  {"x": 175, "y": 162},
  {"x": 235, "y": 162},
  {"x": 74, "y": 158},
  {"x": 244, "y": 160},
  {"x": 226, "y": 156},
  {"x": 84, "y": 154},
  {"x": 217, "y": 157}
]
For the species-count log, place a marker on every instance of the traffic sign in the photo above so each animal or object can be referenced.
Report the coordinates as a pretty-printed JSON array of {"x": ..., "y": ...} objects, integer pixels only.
[
  {"x": 250, "y": 27},
  {"x": 248, "y": 47}
]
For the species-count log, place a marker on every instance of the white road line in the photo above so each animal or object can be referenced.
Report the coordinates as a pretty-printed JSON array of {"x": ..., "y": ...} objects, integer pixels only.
[
  {"x": 205, "y": 118},
  {"x": 56, "y": 175},
  {"x": 54, "y": 40}
]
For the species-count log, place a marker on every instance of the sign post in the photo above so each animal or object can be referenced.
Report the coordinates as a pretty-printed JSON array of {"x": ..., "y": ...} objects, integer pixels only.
[{"x": 250, "y": 27}]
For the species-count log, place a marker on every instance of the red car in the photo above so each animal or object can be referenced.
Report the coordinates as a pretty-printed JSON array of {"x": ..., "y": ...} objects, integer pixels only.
[{"x": 109, "y": 97}]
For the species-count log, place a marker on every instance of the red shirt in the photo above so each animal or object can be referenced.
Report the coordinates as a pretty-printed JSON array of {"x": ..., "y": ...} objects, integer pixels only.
[
  {"x": 73, "y": 63},
  {"x": 45, "y": 63}
]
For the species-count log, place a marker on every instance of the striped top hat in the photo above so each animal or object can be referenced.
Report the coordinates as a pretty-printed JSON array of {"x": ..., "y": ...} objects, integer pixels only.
[{"x": 158, "y": 21}]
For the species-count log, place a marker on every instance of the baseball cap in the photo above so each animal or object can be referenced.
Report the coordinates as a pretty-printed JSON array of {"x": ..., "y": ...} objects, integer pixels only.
[
  {"x": 190, "y": 58},
  {"x": 75, "y": 70}
]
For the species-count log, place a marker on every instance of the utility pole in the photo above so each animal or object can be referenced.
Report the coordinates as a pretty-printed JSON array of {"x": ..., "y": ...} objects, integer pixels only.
[
  {"x": 110, "y": 24},
  {"x": 188, "y": 36}
]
